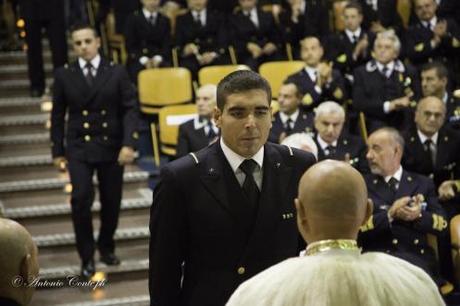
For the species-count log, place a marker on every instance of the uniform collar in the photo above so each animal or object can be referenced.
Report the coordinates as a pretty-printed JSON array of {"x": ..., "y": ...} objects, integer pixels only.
[
  {"x": 284, "y": 117},
  {"x": 235, "y": 159},
  {"x": 423, "y": 137},
  {"x": 94, "y": 62},
  {"x": 324, "y": 144},
  {"x": 397, "y": 175}
]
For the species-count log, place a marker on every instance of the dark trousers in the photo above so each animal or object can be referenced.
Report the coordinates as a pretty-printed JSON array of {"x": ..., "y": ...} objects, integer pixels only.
[
  {"x": 55, "y": 31},
  {"x": 110, "y": 178}
]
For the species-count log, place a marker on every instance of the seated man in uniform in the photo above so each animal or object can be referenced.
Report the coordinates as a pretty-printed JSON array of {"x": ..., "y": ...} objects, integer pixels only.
[
  {"x": 199, "y": 132},
  {"x": 18, "y": 264},
  {"x": 317, "y": 81},
  {"x": 331, "y": 206},
  {"x": 384, "y": 88},
  {"x": 406, "y": 207},
  {"x": 291, "y": 118},
  {"x": 435, "y": 78},
  {"x": 333, "y": 142}
]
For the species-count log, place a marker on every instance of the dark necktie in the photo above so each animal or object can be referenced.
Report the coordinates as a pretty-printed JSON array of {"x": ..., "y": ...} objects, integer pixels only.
[
  {"x": 249, "y": 185},
  {"x": 330, "y": 150},
  {"x": 198, "y": 19},
  {"x": 152, "y": 20},
  {"x": 89, "y": 74},
  {"x": 211, "y": 133},
  {"x": 393, "y": 184},
  {"x": 385, "y": 71},
  {"x": 355, "y": 39},
  {"x": 288, "y": 127},
  {"x": 430, "y": 150}
]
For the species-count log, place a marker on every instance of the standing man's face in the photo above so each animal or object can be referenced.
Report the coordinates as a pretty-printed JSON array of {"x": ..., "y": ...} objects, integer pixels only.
[
  {"x": 425, "y": 9},
  {"x": 329, "y": 126},
  {"x": 352, "y": 19},
  {"x": 311, "y": 51},
  {"x": 432, "y": 84},
  {"x": 245, "y": 121},
  {"x": 288, "y": 99},
  {"x": 384, "y": 50},
  {"x": 85, "y": 44}
]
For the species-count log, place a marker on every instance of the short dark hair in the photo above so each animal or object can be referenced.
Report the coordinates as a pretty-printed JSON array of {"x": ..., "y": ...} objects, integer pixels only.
[
  {"x": 83, "y": 26},
  {"x": 240, "y": 81},
  {"x": 297, "y": 90},
  {"x": 441, "y": 70},
  {"x": 354, "y": 5}
]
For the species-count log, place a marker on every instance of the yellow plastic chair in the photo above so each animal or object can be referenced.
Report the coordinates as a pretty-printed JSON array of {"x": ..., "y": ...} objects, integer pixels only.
[
  {"x": 277, "y": 72},
  {"x": 213, "y": 74},
  {"x": 170, "y": 117},
  {"x": 163, "y": 86}
]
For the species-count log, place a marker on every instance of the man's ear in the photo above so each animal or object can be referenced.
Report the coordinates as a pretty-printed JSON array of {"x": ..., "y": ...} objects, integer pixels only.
[
  {"x": 217, "y": 115},
  {"x": 26, "y": 267},
  {"x": 302, "y": 222},
  {"x": 369, "y": 210}
]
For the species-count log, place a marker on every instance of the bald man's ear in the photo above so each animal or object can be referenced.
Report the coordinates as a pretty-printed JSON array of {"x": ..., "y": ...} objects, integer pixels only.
[
  {"x": 302, "y": 222},
  {"x": 369, "y": 210},
  {"x": 26, "y": 267}
]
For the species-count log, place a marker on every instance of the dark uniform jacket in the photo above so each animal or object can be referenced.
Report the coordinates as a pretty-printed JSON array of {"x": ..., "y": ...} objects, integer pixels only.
[
  {"x": 420, "y": 50},
  {"x": 199, "y": 218},
  {"x": 101, "y": 118},
  {"x": 314, "y": 22},
  {"x": 418, "y": 160},
  {"x": 371, "y": 89},
  {"x": 304, "y": 123},
  {"x": 350, "y": 145},
  {"x": 190, "y": 139},
  {"x": 144, "y": 39},
  {"x": 453, "y": 112},
  {"x": 209, "y": 38},
  {"x": 335, "y": 90},
  {"x": 243, "y": 31},
  {"x": 386, "y": 13},
  {"x": 404, "y": 239}
]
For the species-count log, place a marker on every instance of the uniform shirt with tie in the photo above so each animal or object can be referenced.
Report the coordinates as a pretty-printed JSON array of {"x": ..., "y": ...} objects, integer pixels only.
[
  {"x": 206, "y": 124},
  {"x": 327, "y": 148},
  {"x": 353, "y": 36},
  {"x": 386, "y": 71},
  {"x": 252, "y": 15},
  {"x": 289, "y": 120},
  {"x": 313, "y": 74},
  {"x": 200, "y": 17},
  {"x": 151, "y": 17},
  {"x": 396, "y": 176},
  {"x": 86, "y": 69},
  {"x": 235, "y": 160},
  {"x": 429, "y": 144}
]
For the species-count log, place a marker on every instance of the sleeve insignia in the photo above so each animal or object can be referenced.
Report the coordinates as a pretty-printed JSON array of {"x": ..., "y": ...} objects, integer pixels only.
[
  {"x": 455, "y": 42},
  {"x": 342, "y": 58},
  {"x": 419, "y": 47},
  {"x": 307, "y": 99},
  {"x": 338, "y": 94}
]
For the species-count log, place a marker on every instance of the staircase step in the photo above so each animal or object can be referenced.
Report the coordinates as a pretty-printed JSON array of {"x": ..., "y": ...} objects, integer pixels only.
[
  {"x": 21, "y": 68},
  {"x": 35, "y": 211},
  {"x": 59, "y": 183},
  {"x": 112, "y": 294},
  {"x": 24, "y": 101},
  {"x": 22, "y": 161},
  {"x": 20, "y": 120},
  {"x": 63, "y": 239},
  {"x": 35, "y": 138}
]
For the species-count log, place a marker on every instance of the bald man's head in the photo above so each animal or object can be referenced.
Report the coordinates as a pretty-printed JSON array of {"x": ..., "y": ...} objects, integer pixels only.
[
  {"x": 332, "y": 202},
  {"x": 18, "y": 259}
]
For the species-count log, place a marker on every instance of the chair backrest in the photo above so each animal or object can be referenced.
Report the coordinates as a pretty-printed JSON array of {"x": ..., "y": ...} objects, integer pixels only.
[
  {"x": 170, "y": 117},
  {"x": 164, "y": 86},
  {"x": 213, "y": 74},
  {"x": 277, "y": 72}
]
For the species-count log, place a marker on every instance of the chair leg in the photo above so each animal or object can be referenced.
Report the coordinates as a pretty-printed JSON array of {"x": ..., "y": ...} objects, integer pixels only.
[{"x": 155, "y": 145}]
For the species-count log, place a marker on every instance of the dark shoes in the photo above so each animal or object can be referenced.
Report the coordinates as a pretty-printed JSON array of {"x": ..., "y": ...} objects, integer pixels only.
[
  {"x": 110, "y": 259},
  {"x": 88, "y": 269}
]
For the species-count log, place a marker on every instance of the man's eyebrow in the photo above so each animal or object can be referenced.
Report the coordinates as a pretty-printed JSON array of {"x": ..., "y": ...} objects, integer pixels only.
[
  {"x": 262, "y": 107},
  {"x": 236, "y": 108}
]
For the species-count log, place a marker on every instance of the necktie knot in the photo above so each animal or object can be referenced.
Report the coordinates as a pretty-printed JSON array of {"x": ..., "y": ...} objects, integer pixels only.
[
  {"x": 89, "y": 73},
  {"x": 330, "y": 150},
  {"x": 428, "y": 144},
  {"x": 248, "y": 166},
  {"x": 289, "y": 123},
  {"x": 393, "y": 184},
  {"x": 385, "y": 71},
  {"x": 211, "y": 134},
  {"x": 152, "y": 19}
]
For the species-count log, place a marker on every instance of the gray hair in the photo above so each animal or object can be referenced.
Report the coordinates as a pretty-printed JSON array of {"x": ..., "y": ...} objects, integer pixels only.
[
  {"x": 391, "y": 35},
  {"x": 329, "y": 107},
  {"x": 395, "y": 135}
]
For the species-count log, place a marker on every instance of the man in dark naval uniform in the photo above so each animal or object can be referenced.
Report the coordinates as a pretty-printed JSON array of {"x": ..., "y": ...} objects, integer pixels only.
[
  {"x": 39, "y": 14},
  {"x": 291, "y": 118},
  {"x": 225, "y": 213},
  {"x": 99, "y": 135},
  {"x": 406, "y": 207},
  {"x": 147, "y": 39},
  {"x": 333, "y": 142}
]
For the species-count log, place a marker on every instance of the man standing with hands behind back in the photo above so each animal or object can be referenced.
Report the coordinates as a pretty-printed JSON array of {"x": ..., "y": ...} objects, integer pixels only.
[
  {"x": 225, "y": 213},
  {"x": 99, "y": 136}
]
